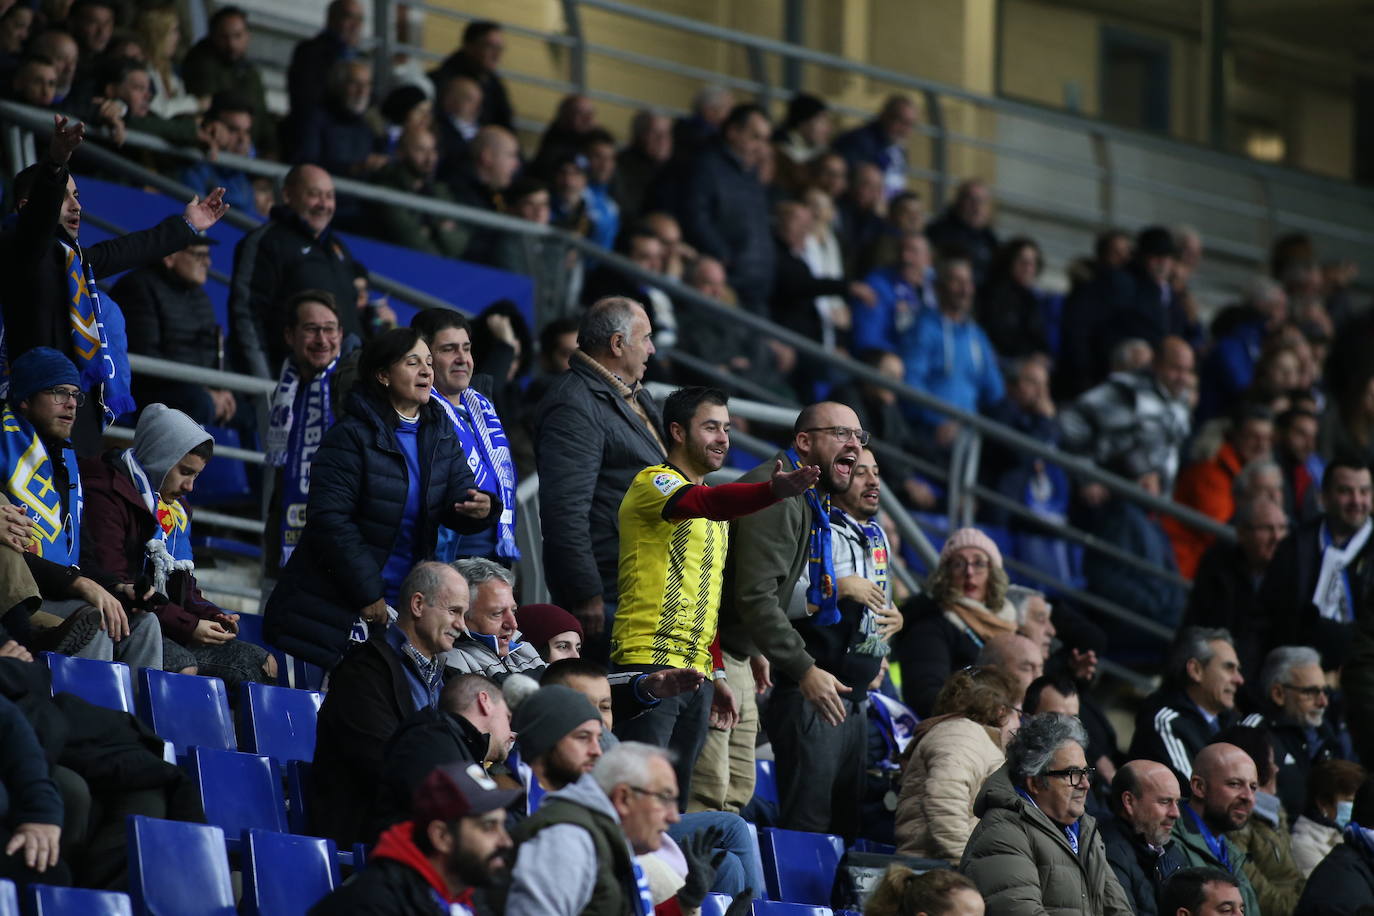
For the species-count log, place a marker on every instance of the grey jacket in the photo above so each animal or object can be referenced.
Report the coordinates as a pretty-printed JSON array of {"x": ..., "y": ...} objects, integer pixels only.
[
  {"x": 472, "y": 656},
  {"x": 589, "y": 445},
  {"x": 1023, "y": 865},
  {"x": 555, "y": 870},
  {"x": 767, "y": 557}
]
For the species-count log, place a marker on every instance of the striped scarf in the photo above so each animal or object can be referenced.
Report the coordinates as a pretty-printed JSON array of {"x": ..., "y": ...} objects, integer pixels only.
[
  {"x": 488, "y": 456},
  {"x": 820, "y": 558},
  {"x": 99, "y": 344}
]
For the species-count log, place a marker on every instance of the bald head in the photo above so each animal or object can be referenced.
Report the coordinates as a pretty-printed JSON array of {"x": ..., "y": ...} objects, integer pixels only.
[
  {"x": 1174, "y": 361},
  {"x": 1015, "y": 656},
  {"x": 1224, "y": 784},
  {"x": 495, "y": 156},
  {"x": 309, "y": 192},
  {"x": 1146, "y": 795}
]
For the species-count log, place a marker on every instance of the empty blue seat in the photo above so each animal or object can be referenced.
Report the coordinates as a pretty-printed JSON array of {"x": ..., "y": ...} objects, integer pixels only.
[
  {"x": 799, "y": 867},
  {"x": 285, "y": 875},
  {"x": 778, "y": 908},
  {"x": 224, "y": 480},
  {"x": 863, "y": 844},
  {"x": 178, "y": 869},
  {"x": 108, "y": 684},
  {"x": 297, "y": 786},
  {"x": 279, "y": 721},
  {"x": 239, "y": 791},
  {"x": 186, "y": 709},
  {"x": 305, "y": 676},
  {"x": 72, "y": 901},
  {"x": 765, "y": 781},
  {"x": 9, "y": 899}
]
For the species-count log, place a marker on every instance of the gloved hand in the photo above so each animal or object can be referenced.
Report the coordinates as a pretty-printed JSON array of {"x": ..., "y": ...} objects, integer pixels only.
[
  {"x": 742, "y": 904},
  {"x": 703, "y": 861}
]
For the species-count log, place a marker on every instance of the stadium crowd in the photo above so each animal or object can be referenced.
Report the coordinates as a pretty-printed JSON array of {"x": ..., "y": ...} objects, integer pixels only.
[{"x": 598, "y": 754}]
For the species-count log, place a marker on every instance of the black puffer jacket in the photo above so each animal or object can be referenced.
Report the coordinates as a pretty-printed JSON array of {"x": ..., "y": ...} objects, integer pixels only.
[
  {"x": 357, "y": 497},
  {"x": 589, "y": 444},
  {"x": 1140, "y": 870},
  {"x": 1342, "y": 884},
  {"x": 725, "y": 214}
]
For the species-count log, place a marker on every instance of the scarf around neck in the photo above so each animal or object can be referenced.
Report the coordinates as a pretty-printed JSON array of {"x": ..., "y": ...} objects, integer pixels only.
[
  {"x": 295, "y": 428},
  {"x": 484, "y": 442},
  {"x": 1332, "y": 596},
  {"x": 820, "y": 558},
  {"x": 99, "y": 347},
  {"x": 29, "y": 482},
  {"x": 169, "y": 549}
]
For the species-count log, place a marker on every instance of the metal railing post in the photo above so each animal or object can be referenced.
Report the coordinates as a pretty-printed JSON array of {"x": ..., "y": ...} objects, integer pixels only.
[
  {"x": 939, "y": 150},
  {"x": 577, "y": 58},
  {"x": 758, "y": 72},
  {"x": 384, "y": 24}
]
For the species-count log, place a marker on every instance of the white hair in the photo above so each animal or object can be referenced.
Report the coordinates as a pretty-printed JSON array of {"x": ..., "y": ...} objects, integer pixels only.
[
  {"x": 628, "y": 764},
  {"x": 1020, "y": 597},
  {"x": 1280, "y": 662}
]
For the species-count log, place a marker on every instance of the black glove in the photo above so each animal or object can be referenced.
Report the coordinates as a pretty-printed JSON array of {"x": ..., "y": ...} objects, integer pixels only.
[
  {"x": 742, "y": 904},
  {"x": 703, "y": 861}
]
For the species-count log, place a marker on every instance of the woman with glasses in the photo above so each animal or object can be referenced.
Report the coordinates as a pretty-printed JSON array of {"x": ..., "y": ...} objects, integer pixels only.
[
  {"x": 1034, "y": 849},
  {"x": 963, "y": 607},
  {"x": 950, "y": 757}
]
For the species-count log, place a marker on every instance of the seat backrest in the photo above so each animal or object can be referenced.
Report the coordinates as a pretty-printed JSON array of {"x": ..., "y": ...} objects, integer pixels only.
[
  {"x": 73, "y": 901},
  {"x": 799, "y": 867},
  {"x": 178, "y": 868},
  {"x": 239, "y": 791},
  {"x": 280, "y": 721},
  {"x": 765, "y": 781},
  {"x": 297, "y": 790},
  {"x": 778, "y": 908},
  {"x": 108, "y": 684},
  {"x": 224, "y": 480},
  {"x": 9, "y": 898},
  {"x": 186, "y": 709},
  {"x": 285, "y": 875}
]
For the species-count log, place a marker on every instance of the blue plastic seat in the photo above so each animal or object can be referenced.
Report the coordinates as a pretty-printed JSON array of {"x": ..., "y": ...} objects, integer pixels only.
[
  {"x": 285, "y": 875},
  {"x": 305, "y": 676},
  {"x": 224, "y": 480},
  {"x": 186, "y": 709},
  {"x": 178, "y": 869},
  {"x": 72, "y": 901},
  {"x": 9, "y": 898},
  {"x": 239, "y": 791},
  {"x": 778, "y": 908},
  {"x": 765, "y": 781},
  {"x": 297, "y": 786},
  {"x": 799, "y": 867},
  {"x": 108, "y": 684},
  {"x": 279, "y": 721}
]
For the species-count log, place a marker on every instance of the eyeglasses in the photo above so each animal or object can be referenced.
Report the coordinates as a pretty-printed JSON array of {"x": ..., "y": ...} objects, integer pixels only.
[
  {"x": 842, "y": 433},
  {"x": 62, "y": 396},
  {"x": 1310, "y": 693},
  {"x": 959, "y": 564},
  {"x": 666, "y": 798},
  {"x": 1077, "y": 776},
  {"x": 322, "y": 330}
]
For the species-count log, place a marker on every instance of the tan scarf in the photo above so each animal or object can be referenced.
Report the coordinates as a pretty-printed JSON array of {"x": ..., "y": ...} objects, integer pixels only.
[
  {"x": 626, "y": 392},
  {"x": 969, "y": 613}
]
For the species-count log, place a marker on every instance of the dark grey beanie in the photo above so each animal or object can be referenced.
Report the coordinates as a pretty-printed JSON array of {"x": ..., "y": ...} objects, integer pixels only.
[{"x": 547, "y": 716}]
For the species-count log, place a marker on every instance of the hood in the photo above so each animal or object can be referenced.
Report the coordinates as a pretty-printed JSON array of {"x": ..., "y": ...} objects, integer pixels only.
[
  {"x": 588, "y": 794},
  {"x": 163, "y": 437},
  {"x": 397, "y": 843}
]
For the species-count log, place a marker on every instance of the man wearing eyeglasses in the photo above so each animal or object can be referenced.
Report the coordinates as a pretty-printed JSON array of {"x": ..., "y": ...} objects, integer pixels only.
[
  {"x": 41, "y": 477},
  {"x": 1035, "y": 850},
  {"x": 815, "y": 645},
  {"x": 1298, "y": 699}
]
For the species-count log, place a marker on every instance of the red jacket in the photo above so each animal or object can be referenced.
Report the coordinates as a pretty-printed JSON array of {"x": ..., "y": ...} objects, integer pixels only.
[
  {"x": 1206, "y": 487},
  {"x": 114, "y": 527}
]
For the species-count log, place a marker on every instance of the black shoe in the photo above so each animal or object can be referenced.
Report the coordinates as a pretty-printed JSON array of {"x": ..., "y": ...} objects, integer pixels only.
[{"x": 72, "y": 635}]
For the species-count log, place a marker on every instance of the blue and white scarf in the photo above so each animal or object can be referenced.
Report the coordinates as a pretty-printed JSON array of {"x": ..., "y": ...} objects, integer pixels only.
[
  {"x": 169, "y": 549},
  {"x": 294, "y": 434},
  {"x": 821, "y": 590},
  {"x": 29, "y": 483},
  {"x": 488, "y": 454}
]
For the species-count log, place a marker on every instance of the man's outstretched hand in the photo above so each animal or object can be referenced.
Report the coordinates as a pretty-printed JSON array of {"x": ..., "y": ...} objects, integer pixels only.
[
  {"x": 792, "y": 483},
  {"x": 202, "y": 214},
  {"x": 66, "y": 137},
  {"x": 669, "y": 682}
]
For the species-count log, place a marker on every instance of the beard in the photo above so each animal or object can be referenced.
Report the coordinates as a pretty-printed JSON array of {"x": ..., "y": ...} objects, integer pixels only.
[{"x": 478, "y": 871}]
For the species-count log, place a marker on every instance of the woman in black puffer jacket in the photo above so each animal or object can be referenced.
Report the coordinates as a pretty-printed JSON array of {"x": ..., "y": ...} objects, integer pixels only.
[{"x": 387, "y": 474}]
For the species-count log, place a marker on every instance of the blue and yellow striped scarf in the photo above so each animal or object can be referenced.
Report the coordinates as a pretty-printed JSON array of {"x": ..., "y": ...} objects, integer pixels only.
[{"x": 29, "y": 483}]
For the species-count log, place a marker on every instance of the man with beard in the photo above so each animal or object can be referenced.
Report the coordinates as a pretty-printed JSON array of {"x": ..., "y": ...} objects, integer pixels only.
[
  {"x": 673, "y": 541},
  {"x": 455, "y": 842},
  {"x": 781, "y": 601},
  {"x": 470, "y": 724},
  {"x": 1224, "y": 784},
  {"x": 1140, "y": 848},
  {"x": 558, "y": 736},
  {"x": 862, "y": 555}
]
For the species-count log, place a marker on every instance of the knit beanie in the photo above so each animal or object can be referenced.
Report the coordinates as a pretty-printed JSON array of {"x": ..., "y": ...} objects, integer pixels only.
[
  {"x": 162, "y": 438},
  {"x": 541, "y": 622},
  {"x": 40, "y": 368},
  {"x": 548, "y": 717},
  {"x": 971, "y": 537}
]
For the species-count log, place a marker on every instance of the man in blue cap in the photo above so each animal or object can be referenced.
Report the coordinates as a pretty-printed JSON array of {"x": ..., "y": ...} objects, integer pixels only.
[{"x": 41, "y": 478}]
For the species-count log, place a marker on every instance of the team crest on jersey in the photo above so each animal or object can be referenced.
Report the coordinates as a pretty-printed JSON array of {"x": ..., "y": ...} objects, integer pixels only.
[{"x": 666, "y": 483}]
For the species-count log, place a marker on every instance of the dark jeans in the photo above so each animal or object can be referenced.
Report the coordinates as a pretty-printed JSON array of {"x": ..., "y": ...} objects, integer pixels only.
[
  {"x": 678, "y": 722},
  {"x": 820, "y": 767}
]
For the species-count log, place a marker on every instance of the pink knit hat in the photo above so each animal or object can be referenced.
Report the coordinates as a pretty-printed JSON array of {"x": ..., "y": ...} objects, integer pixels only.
[{"x": 971, "y": 537}]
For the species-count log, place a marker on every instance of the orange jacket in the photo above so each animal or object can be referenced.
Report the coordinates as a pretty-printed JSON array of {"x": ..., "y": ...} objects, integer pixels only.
[{"x": 1206, "y": 487}]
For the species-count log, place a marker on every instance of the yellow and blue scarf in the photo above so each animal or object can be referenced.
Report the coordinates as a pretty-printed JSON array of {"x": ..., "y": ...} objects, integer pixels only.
[
  {"x": 820, "y": 558},
  {"x": 29, "y": 483},
  {"x": 99, "y": 342}
]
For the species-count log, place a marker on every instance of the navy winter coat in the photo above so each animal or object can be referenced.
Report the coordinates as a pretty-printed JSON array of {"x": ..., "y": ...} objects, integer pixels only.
[
  {"x": 357, "y": 497},
  {"x": 726, "y": 215}
]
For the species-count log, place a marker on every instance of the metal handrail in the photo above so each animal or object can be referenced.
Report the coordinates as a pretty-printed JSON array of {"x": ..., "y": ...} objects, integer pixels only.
[{"x": 39, "y": 121}]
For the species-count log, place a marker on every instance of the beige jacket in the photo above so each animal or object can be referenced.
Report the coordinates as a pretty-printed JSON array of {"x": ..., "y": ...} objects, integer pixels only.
[
  {"x": 1311, "y": 842},
  {"x": 947, "y": 765}
]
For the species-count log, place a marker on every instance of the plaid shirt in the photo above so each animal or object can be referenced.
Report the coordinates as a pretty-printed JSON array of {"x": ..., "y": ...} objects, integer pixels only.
[
  {"x": 1128, "y": 418},
  {"x": 426, "y": 676}
]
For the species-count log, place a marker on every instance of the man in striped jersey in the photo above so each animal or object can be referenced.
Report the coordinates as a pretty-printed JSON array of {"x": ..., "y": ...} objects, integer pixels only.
[
  {"x": 1197, "y": 700},
  {"x": 673, "y": 540}
]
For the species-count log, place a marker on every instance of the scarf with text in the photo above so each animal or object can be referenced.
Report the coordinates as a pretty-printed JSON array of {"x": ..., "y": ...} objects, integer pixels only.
[
  {"x": 299, "y": 418},
  {"x": 99, "y": 342},
  {"x": 29, "y": 482},
  {"x": 820, "y": 558},
  {"x": 169, "y": 549},
  {"x": 484, "y": 442},
  {"x": 875, "y": 571}
]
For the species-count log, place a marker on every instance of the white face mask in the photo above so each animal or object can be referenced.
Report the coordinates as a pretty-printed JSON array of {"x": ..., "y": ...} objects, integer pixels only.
[{"x": 1343, "y": 809}]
